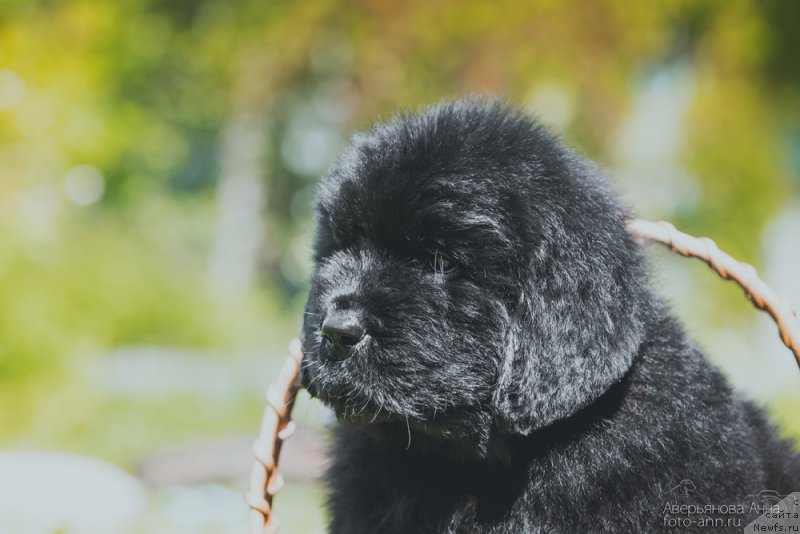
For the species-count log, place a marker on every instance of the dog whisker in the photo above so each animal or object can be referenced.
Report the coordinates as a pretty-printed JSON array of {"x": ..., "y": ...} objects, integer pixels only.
[
  {"x": 408, "y": 426},
  {"x": 374, "y": 417},
  {"x": 366, "y": 403}
]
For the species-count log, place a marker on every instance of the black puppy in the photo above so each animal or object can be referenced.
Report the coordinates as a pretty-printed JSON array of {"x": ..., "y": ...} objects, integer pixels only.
[{"x": 480, "y": 321}]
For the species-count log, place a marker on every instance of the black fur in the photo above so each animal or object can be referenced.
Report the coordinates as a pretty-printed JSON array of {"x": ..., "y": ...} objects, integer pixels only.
[{"x": 541, "y": 387}]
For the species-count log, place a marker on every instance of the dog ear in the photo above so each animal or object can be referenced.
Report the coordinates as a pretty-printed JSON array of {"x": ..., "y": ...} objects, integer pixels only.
[{"x": 577, "y": 326}]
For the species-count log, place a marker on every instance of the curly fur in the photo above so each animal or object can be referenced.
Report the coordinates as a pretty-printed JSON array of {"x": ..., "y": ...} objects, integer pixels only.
[{"x": 540, "y": 388}]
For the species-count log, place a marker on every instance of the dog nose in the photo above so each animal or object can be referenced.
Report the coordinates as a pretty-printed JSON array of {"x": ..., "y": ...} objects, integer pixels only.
[{"x": 344, "y": 331}]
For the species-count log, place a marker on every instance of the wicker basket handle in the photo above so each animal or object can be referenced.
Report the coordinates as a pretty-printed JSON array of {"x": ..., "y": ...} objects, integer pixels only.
[
  {"x": 757, "y": 291},
  {"x": 276, "y": 426}
]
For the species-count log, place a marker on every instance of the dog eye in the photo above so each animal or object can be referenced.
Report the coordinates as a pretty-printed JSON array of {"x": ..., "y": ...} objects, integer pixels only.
[{"x": 442, "y": 264}]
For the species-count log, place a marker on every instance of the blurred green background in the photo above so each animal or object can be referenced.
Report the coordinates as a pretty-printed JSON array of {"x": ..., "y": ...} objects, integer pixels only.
[{"x": 157, "y": 166}]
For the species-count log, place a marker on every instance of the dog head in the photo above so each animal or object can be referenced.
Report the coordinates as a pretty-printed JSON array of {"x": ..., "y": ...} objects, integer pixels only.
[{"x": 472, "y": 275}]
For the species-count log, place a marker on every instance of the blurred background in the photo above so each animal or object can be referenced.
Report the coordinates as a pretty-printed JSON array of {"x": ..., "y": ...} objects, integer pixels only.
[{"x": 157, "y": 167}]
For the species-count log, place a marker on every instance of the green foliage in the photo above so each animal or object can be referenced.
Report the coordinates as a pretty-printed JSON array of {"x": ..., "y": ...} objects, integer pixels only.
[
  {"x": 784, "y": 411},
  {"x": 95, "y": 286}
]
